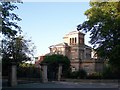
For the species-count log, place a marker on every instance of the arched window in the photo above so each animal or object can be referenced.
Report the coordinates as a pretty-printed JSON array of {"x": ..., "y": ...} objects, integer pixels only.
[
  {"x": 80, "y": 40},
  {"x": 70, "y": 41},
  {"x": 75, "y": 40}
]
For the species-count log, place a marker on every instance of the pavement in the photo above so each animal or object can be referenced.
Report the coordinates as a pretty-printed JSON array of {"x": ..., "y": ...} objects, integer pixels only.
[
  {"x": 68, "y": 85},
  {"x": 65, "y": 85},
  {"x": 62, "y": 84}
]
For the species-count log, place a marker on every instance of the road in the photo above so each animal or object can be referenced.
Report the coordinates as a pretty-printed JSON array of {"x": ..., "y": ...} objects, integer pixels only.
[{"x": 61, "y": 84}]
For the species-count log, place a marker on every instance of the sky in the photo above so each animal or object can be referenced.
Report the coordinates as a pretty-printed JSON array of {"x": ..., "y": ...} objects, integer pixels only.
[{"x": 47, "y": 22}]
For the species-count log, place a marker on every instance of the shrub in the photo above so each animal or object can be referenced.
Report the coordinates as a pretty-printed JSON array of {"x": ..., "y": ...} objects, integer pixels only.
[
  {"x": 28, "y": 71},
  {"x": 74, "y": 74},
  {"x": 82, "y": 74},
  {"x": 110, "y": 73},
  {"x": 78, "y": 74},
  {"x": 95, "y": 75}
]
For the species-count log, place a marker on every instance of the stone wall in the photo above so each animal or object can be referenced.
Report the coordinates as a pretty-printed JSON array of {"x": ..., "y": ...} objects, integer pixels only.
[
  {"x": 99, "y": 66},
  {"x": 89, "y": 67}
]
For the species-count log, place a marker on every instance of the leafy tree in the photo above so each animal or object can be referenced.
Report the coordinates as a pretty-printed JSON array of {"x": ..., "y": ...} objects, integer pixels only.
[
  {"x": 9, "y": 19},
  {"x": 18, "y": 48},
  {"x": 9, "y": 31},
  {"x": 104, "y": 24},
  {"x": 15, "y": 48},
  {"x": 53, "y": 62}
]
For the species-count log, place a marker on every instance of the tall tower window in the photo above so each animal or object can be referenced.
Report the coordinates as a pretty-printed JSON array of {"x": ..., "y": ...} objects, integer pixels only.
[
  {"x": 70, "y": 41},
  {"x": 81, "y": 40},
  {"x": 75, "y": 40}
]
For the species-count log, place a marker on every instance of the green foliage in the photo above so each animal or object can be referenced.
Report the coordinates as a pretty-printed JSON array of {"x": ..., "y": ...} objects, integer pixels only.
[
  {"x": 78, "y": 74},
  {"x": 11, "y": 41},
  {"x": 26, "y": 70},
  {"x": 104, "y": 24},
  {"x": 82, "y": 74},
  {"x": 95, "y": 75},
  {"x": 53, "y": 62},
  {"x": 18, "y": 48},
  {"x": 15, "y": 48},
  {"x": 109, "y": 73},
  {"x": 74, "y": 75},
  {"x": 9, "y": 19},
  {"x": 56, "y": 60}
]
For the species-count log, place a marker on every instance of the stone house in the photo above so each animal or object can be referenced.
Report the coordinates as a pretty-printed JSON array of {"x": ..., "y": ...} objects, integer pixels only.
[{"x": 81, "y": 56}]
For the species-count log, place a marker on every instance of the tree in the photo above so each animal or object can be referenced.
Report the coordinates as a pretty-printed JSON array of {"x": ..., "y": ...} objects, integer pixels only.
[
  {"x": 10, "y": 28},
  {"x": 53, "y": 62},
  {"x": 9, "y": 32},
  {"x": 9, "y": 19},
  {"x": 15, "y": 48},
  {"x": 104, "y": 24},
  {"x": 18, "y": 48}
]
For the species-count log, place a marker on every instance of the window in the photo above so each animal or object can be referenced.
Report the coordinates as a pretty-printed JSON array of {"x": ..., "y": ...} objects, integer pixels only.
[
  {"x": 70, "y": 41},
  {"x": 80, "y": 40},
  {"x": 88, "y": 55},
  {"x": 75, "y": 40}
]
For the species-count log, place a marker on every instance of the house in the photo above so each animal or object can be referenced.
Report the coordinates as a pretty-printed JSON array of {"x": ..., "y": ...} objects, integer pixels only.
[{"x": 81, "y": 56}]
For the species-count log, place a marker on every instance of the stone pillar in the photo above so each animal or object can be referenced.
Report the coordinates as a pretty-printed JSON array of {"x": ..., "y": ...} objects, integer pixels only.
[
  {"x": 13, "y": 81},
  {"x": 44, "y": 73},
  {"x": 59, "y": 72}
]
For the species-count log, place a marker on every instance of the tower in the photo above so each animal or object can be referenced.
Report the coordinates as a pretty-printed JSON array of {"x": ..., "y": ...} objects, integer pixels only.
[
  {"x": 75, "y": 40},
  {"x": 74, "y": 48}
]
